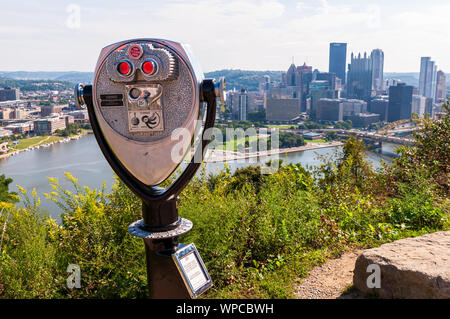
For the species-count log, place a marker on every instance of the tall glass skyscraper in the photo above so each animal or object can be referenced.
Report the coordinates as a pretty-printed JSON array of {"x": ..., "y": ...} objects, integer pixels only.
[
  {"x": 377, "y": 57},
  {"x": 441, "y": 87},
  {"x": 338, "y": 60},
  {"x": 427, "y": 79}
]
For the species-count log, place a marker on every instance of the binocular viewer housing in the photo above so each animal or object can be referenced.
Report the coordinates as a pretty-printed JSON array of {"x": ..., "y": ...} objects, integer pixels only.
[{"x": 143, "y": 91}]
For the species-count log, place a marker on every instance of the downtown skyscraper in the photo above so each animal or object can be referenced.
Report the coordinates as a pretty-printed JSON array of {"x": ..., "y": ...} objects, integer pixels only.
[
  {"x": 359, "y": 77},
  {"x": 427, "y": 79},
  {"x": 377, "y": 58},
  {"x": 441, "y": 87},
  {"x": 400, "y": 102},
  {"x": 338, "y": 60}
]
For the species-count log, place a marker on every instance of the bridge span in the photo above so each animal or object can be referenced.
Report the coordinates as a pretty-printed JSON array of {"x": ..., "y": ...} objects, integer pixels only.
[{"x": 368, "y": 136}]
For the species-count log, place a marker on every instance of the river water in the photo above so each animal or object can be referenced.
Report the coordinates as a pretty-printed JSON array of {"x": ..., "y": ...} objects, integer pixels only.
[{"x": 84, "y": 160}]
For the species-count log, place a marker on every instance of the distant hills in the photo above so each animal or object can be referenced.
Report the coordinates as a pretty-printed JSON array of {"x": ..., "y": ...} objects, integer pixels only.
[
  {"x": 235, "y": 78},
  {"x": 243, "y": 79},
  {"x": 69, "y": 76}
]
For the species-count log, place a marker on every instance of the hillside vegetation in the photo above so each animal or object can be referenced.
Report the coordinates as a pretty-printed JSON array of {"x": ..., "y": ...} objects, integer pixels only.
[{"x": 256, "y": 233}]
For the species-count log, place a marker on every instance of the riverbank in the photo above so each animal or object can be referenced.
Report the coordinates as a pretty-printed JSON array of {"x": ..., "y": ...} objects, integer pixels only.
[
  {"x": 215, "y": 155},
  {"x": 46, "y": 142}
]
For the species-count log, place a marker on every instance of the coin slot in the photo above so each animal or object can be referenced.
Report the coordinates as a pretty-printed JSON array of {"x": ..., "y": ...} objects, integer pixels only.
[{"x": 135, "y": 93}]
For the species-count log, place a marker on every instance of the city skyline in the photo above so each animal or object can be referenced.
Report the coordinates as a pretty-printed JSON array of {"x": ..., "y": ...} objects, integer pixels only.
[{"x": 49, "y": 37}]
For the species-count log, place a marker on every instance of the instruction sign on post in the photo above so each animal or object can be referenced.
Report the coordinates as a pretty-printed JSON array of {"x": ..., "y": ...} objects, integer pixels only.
[{"x": 192, "y": 270}]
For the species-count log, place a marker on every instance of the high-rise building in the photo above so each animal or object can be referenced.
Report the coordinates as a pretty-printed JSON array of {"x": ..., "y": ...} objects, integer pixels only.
[
  {"x": 320, "y": 90},
  {"x": 9, "y": 94},
  {"x": 238, "y": 103},
  {"x": 359, "y": 77},
  {"x": 441, "y": 89},
  {"x": 306, "y": 78},
  {"x": 418, "y": 105},
  {"x": 293, "y": 76},
  {"x": 427, "y": 79},
  {"x": 338, "y": 60},
  {"x": 400, "y": 102},
  {"x": 377, "y": 57},
  {"x": 429, "y": 106},
  {"x": 243, "y": 105}
]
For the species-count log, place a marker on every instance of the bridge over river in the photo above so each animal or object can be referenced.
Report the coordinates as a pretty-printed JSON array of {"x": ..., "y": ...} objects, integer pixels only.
[{"x": 370, "y": 137}]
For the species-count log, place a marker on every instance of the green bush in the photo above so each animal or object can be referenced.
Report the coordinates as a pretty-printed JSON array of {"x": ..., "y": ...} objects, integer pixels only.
[{"x": 417, "y": 209}]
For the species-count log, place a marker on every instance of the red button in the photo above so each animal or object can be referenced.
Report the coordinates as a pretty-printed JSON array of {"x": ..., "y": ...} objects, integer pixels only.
[
  {"x": 124, "y": 68},
  {"x": 135, "y": 51},
  {"x": 148, "y": 67}
]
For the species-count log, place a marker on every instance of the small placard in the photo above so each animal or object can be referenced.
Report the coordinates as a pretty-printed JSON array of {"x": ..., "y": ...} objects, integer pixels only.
[{"x": 192, "y": 270}]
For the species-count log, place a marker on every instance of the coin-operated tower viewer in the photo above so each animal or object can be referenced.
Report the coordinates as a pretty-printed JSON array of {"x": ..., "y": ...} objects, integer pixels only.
[{"x": 144, "y": 93}]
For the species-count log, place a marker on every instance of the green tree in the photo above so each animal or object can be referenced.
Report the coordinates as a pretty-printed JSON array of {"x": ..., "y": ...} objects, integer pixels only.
[
  {"x": 349, "y": 168},
  {"x": 5, "y": 194},
  {"x": 430, "y": 154}
]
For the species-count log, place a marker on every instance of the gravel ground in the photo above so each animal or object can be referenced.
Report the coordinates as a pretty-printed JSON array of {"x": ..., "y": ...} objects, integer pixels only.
[{"x": 329, "y": 280}]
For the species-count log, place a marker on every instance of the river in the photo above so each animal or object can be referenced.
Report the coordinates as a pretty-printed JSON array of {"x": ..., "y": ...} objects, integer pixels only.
[{"x": 84, "y": 160}]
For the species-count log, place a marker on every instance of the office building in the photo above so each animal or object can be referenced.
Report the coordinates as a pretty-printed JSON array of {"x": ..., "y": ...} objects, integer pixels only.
[
  {"x": 429, "y": 105},
  {"x": 359, "y": 77},
  {"x": 49, "y": 125},
  {"x": 47, "y": 110},
  {"x": 377, "y": 58},
  {"x": 338, "y": 60},
  {"x": 9, "y": 94},
  {"x": 282, "y": 110},
  {"x": 21, "y": 128},
  {"x": 427, "y": 78},
  {"x": 400, "y": 102},
  {"x": 283, "y": 92},
  {"x": 293, "y": 77},
  {"x": 243, "y": 104},
  {"x": 329, "y": 110},
  {"x": 80, "y": 115},
  {"x": 418, "y": 105},
  {"x": 319, "y": 90},
  {"x": 306, "y": 77},
  {"x": 441, "y": 87},
  {"x": 353, "y": 106}
]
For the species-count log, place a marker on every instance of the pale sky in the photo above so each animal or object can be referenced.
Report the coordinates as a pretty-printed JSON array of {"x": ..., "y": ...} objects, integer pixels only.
[{"x": 252, "y": 35}]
